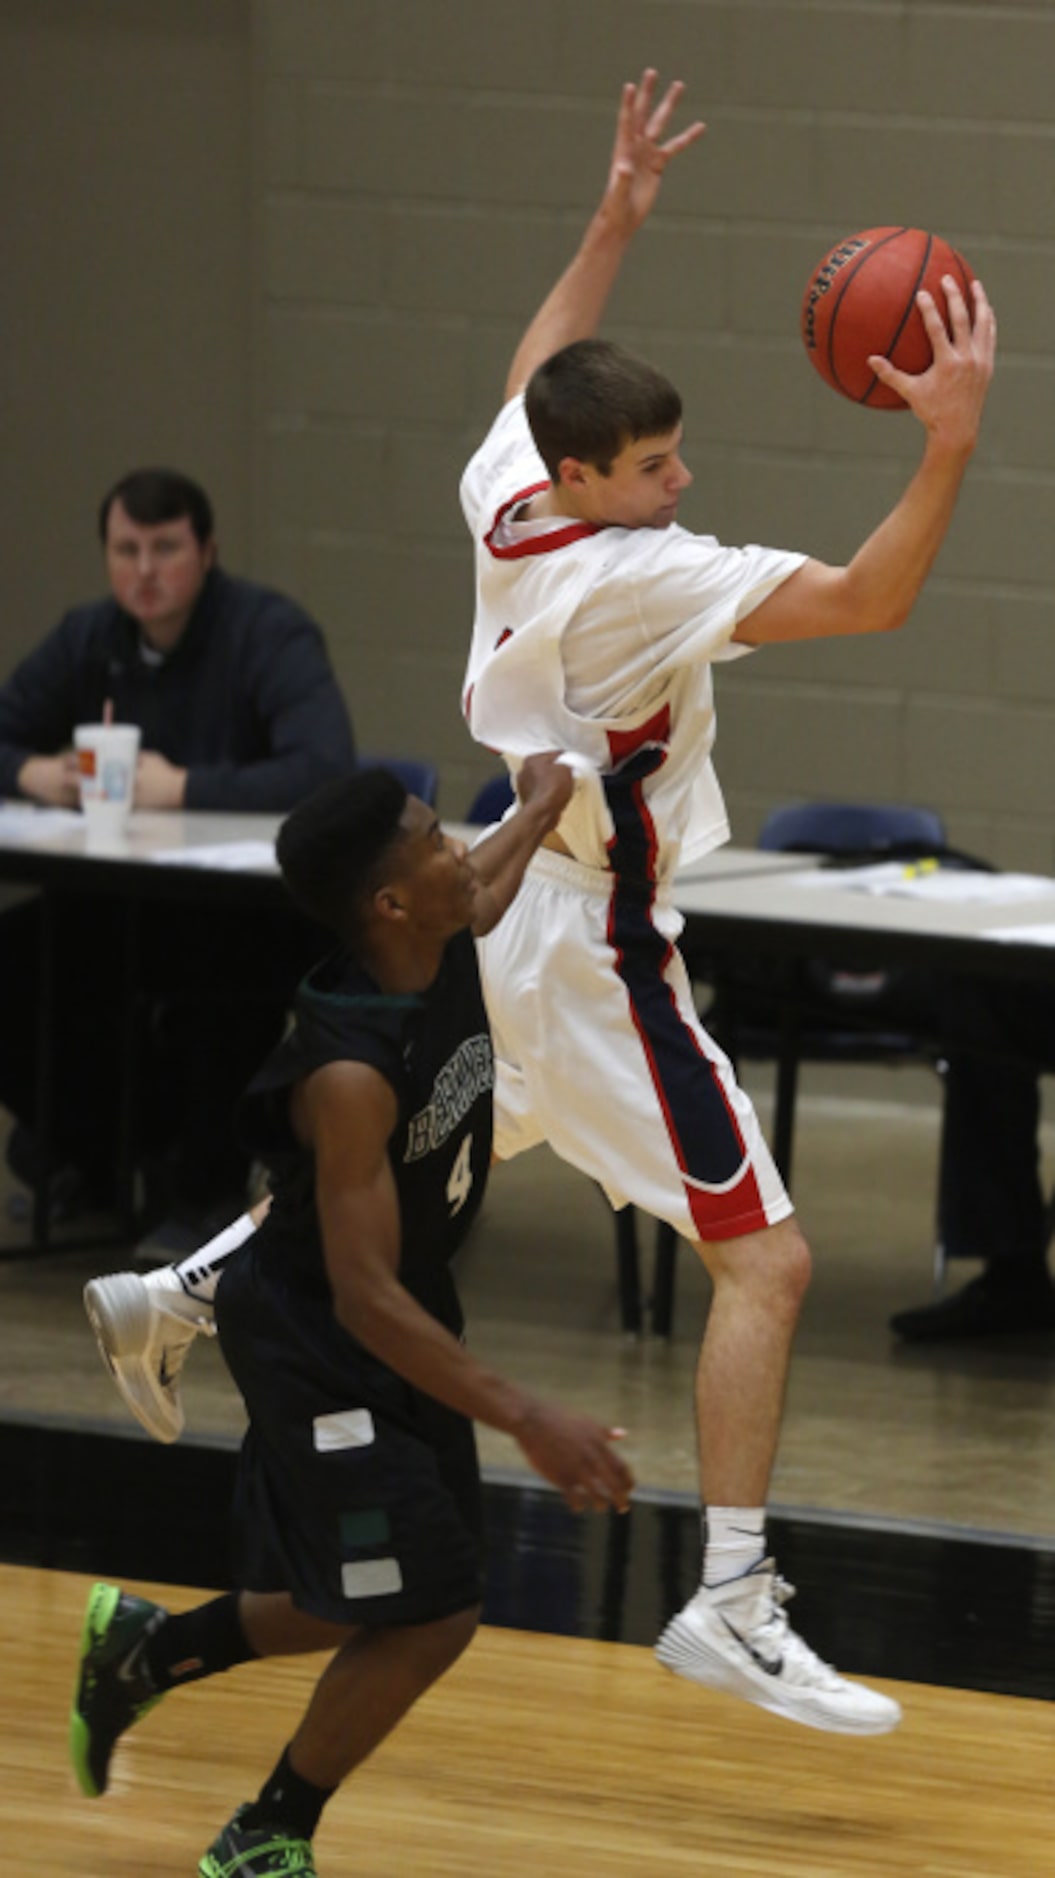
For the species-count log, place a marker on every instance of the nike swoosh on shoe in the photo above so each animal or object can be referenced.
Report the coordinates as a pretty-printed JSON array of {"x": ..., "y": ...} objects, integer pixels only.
[{"x": 772, "y": 1665}]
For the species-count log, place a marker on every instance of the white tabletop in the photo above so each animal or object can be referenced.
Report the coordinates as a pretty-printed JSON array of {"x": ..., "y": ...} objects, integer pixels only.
[
  {"x": 192, "y": 837},
  {"x": 748, "y": 884},
  {"x": 789, "y": 915},
  {"x": 792, "y": 897}
]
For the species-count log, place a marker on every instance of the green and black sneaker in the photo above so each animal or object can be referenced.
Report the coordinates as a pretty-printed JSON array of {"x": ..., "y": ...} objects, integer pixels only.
[
  {"x": 256, "y": 1852},
  {"x": 114, "y": 1687}
]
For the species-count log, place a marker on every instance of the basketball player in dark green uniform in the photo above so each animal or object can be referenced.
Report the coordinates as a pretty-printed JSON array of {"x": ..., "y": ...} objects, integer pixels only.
[{"x": 357, "y": 1513}]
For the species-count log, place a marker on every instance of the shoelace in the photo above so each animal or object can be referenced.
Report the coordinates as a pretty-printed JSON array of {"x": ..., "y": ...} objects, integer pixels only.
[
  {"x": 191, "y": 1326},
  {"x": 294, "y": 1860}
]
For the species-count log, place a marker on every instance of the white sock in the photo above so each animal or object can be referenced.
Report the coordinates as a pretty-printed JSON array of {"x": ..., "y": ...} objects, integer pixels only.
[
  {"x": 734, "y": 1540},
  {"x": 198, "y": 1274}
]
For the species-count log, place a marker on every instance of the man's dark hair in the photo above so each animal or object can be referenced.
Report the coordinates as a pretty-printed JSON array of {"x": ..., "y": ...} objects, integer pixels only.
[
  {"x": 591, "y": 399},
  {"x": 333, "y": 848},
  {"x": 159, "y": 495}
]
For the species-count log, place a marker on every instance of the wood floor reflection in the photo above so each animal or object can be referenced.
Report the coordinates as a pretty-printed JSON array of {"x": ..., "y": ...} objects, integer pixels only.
[{"x": 535, "y": 1754}]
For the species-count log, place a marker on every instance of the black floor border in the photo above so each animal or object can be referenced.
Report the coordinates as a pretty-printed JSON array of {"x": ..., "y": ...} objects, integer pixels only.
[{"x": 919, "y": 1604}]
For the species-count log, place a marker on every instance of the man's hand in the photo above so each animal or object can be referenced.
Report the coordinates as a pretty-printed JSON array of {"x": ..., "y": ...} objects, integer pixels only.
[
  {"x": 546, "y": 783},
  {"x": 575, "y": 1453},
  {"x": 573, "y": 308},
  {"x": 948, "y": 398},
  {"x": 159, "y": 784},
  {"x": 638, "y": 157},
  {"x": 53, "y": 780}
]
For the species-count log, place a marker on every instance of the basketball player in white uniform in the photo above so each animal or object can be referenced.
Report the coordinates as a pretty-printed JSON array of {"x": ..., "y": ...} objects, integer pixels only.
[{"x": 597, "y": 622}]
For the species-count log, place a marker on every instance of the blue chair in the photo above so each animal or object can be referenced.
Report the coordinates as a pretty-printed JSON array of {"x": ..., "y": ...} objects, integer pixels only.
[
  {"x": 491, "y": 800},
  {"x": 868, "y": 829},
  {"x": 421, "y": 778}
]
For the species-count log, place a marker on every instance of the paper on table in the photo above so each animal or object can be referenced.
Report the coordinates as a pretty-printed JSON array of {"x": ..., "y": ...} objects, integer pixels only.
[
  {"x": 250, "y": 857},
  {"x": 20, "y": 821},
  {"x": 927, "y": 880},
  {"x": 1039, "y": 935}
]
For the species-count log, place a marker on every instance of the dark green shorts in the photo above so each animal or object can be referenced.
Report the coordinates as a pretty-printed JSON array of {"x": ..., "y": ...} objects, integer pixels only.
[{"x": 356, "y": 1494}]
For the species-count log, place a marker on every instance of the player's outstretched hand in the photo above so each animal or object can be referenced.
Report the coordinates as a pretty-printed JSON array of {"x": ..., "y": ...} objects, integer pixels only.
[
  {"x": 545, "y": 780},
  {"x": 575, "y": 1453},
  {"x": 640, "y": 154},
  {"x": 949, "y": 397}
]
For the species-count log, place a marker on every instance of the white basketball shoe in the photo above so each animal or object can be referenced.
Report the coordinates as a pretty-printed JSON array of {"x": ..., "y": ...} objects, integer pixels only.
[
  {"x": 144, "y": 1327},
  {"x": 736, "y": 1637}
]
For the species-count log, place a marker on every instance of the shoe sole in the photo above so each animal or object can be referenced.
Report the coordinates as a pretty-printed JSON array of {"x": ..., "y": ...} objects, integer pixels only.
[
  {"x": 120, "y": 1313},
  {"x": 102, "y": 1603},
  {"x": 686, "y": 1653}
]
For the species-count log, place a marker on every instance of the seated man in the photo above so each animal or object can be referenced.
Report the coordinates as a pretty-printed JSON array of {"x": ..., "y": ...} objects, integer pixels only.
[
  {"x": 999, "y": 1037},
  {"x": 239, "y": 710},
  {"x": 358, "y": 1503}
]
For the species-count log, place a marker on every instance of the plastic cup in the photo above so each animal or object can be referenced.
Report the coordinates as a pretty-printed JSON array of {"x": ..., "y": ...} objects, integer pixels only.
[{"x": 106, "y": 765}]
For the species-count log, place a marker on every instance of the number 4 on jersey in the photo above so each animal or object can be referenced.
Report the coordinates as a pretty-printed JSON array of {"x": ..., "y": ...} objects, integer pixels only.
[{"x": 460, "y": 1184}]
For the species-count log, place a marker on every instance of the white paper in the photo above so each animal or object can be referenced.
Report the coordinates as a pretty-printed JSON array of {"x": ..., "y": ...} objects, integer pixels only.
[
  {"x": 927, "y": 880},
  {"x": 20, "y": 822},
  {"x": 1043, "y": 934},
  {"x": 249, "y": 857}
]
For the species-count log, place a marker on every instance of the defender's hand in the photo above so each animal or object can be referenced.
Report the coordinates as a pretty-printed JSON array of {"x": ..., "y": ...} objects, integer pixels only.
[
  {"x": 545, "y": 782},
  {"x": 575, "y": 1453}
]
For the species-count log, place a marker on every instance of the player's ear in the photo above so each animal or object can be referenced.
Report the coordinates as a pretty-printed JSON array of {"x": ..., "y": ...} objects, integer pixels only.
[
  {"x": 389, "y": 902},
  {"x": 571, "y": 473}
]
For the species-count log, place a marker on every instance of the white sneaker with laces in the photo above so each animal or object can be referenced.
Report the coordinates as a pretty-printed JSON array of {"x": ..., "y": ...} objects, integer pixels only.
[
  {"x": 736, "y": 1637},
  {"x": 144, "y": 1328}
]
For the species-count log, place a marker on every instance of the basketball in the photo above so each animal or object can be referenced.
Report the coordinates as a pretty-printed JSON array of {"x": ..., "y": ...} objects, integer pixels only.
[{"x": 861, "y": 300}]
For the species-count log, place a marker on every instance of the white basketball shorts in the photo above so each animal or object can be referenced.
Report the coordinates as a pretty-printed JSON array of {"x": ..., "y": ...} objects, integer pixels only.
[{"x": 600, "y": 1052}]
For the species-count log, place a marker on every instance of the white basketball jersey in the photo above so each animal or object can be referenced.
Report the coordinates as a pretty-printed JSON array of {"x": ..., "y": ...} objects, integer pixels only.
[{"x": 600, "y": 641}]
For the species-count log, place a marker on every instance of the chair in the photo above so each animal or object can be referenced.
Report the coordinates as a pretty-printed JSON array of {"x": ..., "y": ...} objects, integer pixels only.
[
  {"x": 868, "y": 829},
  {"x": 491, "y": 800},
  {"x": 421, "y": 778}
]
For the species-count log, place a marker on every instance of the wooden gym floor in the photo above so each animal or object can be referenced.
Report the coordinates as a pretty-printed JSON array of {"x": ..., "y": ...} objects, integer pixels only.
[{"x": 535, "y": 1753}]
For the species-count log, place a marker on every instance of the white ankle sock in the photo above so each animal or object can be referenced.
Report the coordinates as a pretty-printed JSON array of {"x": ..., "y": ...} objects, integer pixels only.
[
  {"x": 198, "y": 1274},
  {"x": 734, "y": 1539}
]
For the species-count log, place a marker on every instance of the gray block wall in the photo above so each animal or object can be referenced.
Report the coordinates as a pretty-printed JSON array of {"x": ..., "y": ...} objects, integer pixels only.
[
  {"x": 409, "y": 179},
  {"x": 428, "y": 169}
]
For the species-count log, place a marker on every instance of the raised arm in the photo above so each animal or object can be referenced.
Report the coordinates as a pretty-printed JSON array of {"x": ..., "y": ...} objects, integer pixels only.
[
  {"x": 639, "y": 157},
  {"x": 876, "y": 591}
]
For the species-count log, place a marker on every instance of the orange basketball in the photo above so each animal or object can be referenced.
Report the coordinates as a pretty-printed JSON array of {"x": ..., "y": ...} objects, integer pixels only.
[{"x": 861, "y": 300}]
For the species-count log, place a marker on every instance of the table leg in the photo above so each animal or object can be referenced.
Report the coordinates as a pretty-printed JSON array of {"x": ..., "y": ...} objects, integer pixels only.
[
  {"x": 46, "y": 1069},
  {"x": 131, "y": 1014},
  {"x": 629, "y": 1269},
  {"x": 787, "y": 1087}
]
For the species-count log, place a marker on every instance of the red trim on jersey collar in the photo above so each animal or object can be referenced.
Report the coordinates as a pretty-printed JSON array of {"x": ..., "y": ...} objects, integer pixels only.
[{"x": 535, "y": 544}]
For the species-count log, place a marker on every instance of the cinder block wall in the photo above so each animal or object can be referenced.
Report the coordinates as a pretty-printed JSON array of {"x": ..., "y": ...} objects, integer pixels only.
[{"x": 422, "y": 172}]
